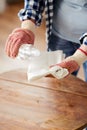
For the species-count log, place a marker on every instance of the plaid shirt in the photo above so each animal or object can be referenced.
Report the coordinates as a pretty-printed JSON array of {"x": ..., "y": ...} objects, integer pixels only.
[{"x": 33, "y": 9}]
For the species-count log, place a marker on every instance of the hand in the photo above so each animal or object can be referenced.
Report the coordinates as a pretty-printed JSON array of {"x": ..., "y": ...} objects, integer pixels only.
[
  {"x": 64, "y": 68},
  {"x": 70, "y": 64},
  {"x": 16, "y": 39}
]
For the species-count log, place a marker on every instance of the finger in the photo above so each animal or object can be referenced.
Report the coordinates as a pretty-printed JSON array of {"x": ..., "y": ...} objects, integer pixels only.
[
  {"x": 50, "y": 76},
  {"x": 7, "y": 46},
  {"x": 15, "y": 48},
  {"x": 70, "y": 65}
]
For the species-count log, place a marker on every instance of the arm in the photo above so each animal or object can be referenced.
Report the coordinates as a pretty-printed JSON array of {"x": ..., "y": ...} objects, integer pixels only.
[
  {"x": 72, "y": 63},
  {"x": 30, "y": 16},
  {"x": 33, "y": 10},
  {"x": 80, "y": 56}
]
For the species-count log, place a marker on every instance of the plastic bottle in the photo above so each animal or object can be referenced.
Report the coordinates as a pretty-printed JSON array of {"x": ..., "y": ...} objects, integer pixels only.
[{"x": 27, "y": 51}]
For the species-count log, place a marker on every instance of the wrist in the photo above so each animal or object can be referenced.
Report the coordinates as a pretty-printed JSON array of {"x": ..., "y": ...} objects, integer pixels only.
[
  {"x": 80, "y": 56},
  {"x": 83, "y": 51},
  {"x": 29, "y": 25}
]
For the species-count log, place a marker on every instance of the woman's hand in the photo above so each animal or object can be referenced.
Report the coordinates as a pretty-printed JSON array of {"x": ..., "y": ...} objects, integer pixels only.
[{"x": 18, "y": 37}]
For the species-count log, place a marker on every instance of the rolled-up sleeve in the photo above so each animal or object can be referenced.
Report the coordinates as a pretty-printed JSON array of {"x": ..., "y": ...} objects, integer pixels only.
[{"x": 33, "y": 9}]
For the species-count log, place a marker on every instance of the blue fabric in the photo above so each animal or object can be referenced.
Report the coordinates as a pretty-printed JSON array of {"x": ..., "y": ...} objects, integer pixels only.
[
  {"x": 56, "y": 43},
  {"x": 32, "y": 10},
  {"x": 85, "y": 72}
]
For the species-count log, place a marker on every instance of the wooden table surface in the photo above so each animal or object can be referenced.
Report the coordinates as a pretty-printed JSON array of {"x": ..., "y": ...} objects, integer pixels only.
[{"x": 45, "y": 104}]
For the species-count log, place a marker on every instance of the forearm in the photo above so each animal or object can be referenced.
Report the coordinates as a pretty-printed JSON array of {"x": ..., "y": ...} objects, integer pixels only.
[{"x": 80, "y": 56}]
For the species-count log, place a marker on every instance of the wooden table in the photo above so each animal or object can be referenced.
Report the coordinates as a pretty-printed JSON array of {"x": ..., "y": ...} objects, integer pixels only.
[{"x": 45, "y": 104}]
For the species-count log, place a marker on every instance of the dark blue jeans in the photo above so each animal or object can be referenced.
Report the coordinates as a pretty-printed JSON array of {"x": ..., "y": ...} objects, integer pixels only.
[{"x": 68, "y": 47}]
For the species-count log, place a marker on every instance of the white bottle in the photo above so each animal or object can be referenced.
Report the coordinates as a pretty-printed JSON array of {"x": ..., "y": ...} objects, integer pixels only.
[{"x": 27, "y": 51}]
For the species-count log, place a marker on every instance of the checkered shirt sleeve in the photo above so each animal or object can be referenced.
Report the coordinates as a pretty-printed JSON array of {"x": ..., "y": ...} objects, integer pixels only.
[{"x": 33, "y": 9}]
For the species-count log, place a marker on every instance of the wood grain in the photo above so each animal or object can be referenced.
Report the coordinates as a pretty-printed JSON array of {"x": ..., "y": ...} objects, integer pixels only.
[
  {"x": 70, "y": 84},
  {"x": 46, "y": 104}
]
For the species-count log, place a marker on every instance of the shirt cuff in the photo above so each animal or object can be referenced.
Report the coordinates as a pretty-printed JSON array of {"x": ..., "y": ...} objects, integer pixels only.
[{"x": 30, "y": 14}]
